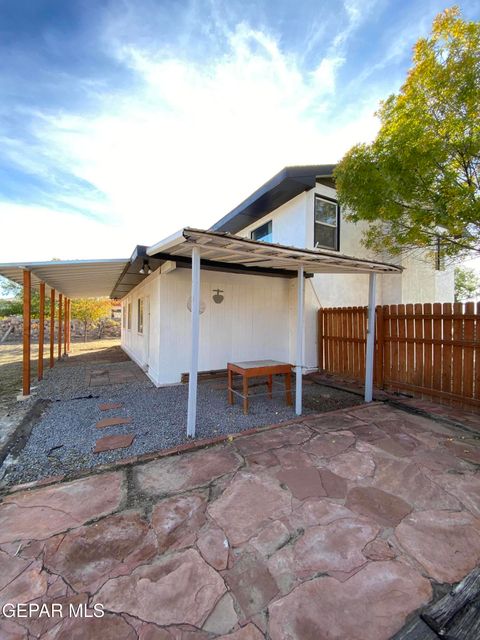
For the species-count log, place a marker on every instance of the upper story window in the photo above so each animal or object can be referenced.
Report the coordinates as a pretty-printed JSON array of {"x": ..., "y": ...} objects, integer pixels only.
[
  {"x": 140, "y": 315},
  {"x": 326, "y": 231},
  {"x": 263, "y": 233}
]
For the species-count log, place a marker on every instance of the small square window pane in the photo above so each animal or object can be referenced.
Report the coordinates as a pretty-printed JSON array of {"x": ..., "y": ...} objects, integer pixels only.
[
  {"x": 325, "y": 236},
  {"x": 263, "y": 233},
  {"x": 325, "y": 212}
]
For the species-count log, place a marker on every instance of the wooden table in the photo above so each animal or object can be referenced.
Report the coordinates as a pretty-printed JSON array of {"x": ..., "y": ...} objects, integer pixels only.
[{"x": 255, "y": 369}]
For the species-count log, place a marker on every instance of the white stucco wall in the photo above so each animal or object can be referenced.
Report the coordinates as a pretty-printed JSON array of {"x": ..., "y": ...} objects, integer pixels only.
[{"x": 293, "y": 224}]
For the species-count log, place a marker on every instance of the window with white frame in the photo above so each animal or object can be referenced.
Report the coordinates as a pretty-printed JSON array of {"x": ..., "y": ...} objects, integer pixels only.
[
  {"x": 124, "y": 315},
  {"x": 140, "y": 315},
  {"x": 326, "y": 221},
  {"x": 263, "y": 233},
  {"x": 129, "y": 315}
]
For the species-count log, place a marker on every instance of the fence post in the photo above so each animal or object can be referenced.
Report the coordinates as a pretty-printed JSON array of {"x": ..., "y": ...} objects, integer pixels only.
[
  {"x": 380, "y": 347},
  {"x": 320, "y": 340}
]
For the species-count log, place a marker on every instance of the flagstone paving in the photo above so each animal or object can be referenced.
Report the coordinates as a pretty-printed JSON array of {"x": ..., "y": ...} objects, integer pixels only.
[{"x": 336, "y": 528}]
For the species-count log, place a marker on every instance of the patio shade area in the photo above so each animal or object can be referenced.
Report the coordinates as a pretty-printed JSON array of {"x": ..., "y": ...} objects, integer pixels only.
[{"x": 223, "y": 251}]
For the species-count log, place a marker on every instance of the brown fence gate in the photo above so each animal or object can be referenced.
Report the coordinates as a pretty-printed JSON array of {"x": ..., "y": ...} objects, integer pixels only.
[{"x": 433, "y": 349}]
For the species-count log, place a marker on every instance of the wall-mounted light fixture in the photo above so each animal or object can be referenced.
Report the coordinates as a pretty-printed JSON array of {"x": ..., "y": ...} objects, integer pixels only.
[
  {"x": 218, "y": 298},
  {"x": 145, "y": 268}
]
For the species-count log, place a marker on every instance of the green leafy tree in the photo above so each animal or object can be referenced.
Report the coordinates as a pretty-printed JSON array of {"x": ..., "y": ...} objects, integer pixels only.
[
  {"x": 13, "y": 304},
  {"x": 418, "y": 184},
  {"x": 90, "y": 311},
  {"x": 467, "y": 284}
]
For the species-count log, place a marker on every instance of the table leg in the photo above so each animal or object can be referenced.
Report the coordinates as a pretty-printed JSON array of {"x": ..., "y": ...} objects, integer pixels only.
[
  {"x": 288, "y": 388},
  {"x": 230, "y": 386},
  {"x": 270, "y": 385},
  {"x": 245, "y": 395}
]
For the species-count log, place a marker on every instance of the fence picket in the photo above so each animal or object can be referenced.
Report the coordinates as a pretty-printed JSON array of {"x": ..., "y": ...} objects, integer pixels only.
[
  {"x": 468, "y": 335},
  {"x": 410, "y": 335},
  {"x": 437, "y": 346},
  {"x": 447, "y": 337}
]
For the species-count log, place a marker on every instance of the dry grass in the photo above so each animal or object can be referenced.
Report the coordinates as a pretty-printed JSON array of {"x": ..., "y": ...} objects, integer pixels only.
[{"x": 11, "y": 365}]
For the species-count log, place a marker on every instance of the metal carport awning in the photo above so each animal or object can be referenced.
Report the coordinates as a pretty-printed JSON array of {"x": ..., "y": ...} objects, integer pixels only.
[
  {"x": 65, "y": 280},
  {"x": 223, "y": 250},
  {"x": 71, "y": 278}
]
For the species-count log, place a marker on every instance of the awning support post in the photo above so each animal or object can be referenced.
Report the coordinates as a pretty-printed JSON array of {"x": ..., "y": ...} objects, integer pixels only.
[
  {"x": 193, "y": 373},
  {"x": 69, "y": 324},
  {"x": 27, "y": 322},
  {"x": 60, "y": 299},
  {"x": 299, "y": 348},
  {"x": 65, "y": 326},
  {"x": 41, "y": 331},
  {"x": 370, "y": 350},
  {"x": 52, "y": 327}
]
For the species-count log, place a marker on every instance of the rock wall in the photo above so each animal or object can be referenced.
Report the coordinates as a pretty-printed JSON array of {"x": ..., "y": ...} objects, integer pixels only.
[{"x": 110, "y": 329}]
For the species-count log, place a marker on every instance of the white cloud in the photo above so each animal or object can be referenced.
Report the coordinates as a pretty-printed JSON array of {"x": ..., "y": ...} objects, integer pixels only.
[
  {"x": 192, "y": 142},
  {"x": 45, "y": 234}
]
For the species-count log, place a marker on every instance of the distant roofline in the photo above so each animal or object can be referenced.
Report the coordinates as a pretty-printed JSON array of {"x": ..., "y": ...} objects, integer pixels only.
[{"x": 282, "y": 187}]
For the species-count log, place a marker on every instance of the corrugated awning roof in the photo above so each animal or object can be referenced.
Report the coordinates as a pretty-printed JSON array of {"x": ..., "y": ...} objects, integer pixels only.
[
  {"x": 72, "y": 278},
  {"x": 223, "y": 248}
]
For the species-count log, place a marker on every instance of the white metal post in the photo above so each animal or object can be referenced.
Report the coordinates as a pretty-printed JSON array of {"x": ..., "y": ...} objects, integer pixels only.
[
  {"x": 299, "y": 350},
  {"x": 370, "y": 351},
  {"x": 193, "y": 373}
]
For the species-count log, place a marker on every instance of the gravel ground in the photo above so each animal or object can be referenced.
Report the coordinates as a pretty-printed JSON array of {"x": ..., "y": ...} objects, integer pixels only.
[{"x": 63, "y": 439}]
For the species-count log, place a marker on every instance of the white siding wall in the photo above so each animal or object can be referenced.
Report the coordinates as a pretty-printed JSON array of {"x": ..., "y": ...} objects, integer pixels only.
[
  {"x": 251, "y": 323},
  {"x": 144, "y": 348}
]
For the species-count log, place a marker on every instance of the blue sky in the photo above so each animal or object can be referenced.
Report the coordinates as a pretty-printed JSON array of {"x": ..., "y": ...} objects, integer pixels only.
[{"x": 122, "y": 121}]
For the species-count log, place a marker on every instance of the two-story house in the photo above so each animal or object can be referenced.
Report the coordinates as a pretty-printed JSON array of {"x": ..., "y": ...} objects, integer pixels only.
[{"x": 249, "y": 318}]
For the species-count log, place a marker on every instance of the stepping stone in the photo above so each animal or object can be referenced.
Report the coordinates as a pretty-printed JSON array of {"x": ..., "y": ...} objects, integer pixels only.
[
  {"x": 112, "y": 422},
  {"x": 106, "y": 406},
  {"x": 109, "y": 443}
]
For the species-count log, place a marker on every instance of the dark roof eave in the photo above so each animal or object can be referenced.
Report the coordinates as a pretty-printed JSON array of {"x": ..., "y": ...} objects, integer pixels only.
[{"x": 284, "y": 186}]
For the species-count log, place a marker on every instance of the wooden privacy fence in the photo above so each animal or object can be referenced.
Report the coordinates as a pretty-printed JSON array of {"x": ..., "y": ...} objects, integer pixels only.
[{"x": 433, "y": 349}]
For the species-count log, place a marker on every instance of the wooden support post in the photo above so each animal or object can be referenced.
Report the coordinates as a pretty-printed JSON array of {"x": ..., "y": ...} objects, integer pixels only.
[
  {"x": 41, "y": 331},
  {"x": 380, "y": 347},
  {"x": 27, "y": 298},
  {"x": 65, "y": 329},
  {"x": 52, "y": 327},
  {"x": 60, "y": 300},
  {"x": 69, "y": 325}
]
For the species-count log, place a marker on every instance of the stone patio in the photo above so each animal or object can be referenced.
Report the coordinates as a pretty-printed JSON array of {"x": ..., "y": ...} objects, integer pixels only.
[{"x": 338, "y": 527}]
